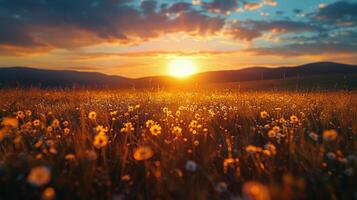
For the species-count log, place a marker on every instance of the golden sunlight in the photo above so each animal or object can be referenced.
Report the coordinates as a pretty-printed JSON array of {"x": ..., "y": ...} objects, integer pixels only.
[{"x": 182, "y": 67}]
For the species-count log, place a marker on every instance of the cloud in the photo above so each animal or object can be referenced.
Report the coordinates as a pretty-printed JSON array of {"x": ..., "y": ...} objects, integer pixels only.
[
  {"x": 71, "y": 24},
  {"x": 220, "y": 5},
  {"x": 251, "y": 29},
  {"x": 338, "y": 11},
  {"x": 252, "y": 6},
  {"x": 315, "y": 48}
]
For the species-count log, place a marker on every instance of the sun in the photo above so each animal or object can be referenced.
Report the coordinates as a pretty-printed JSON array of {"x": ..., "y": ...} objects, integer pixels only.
[{"x": 182, "y": 67}]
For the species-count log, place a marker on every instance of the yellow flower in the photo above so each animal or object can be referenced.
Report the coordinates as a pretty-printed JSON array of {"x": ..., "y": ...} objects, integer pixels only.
[
  {"x": 128, "y": 127},
  {"x": 20, "y": 115},
  {"x": 177, "y": 131},
  {"x": 263, "y": 114},
  {"x": 271, "y": 148},
  {"x": 55, "y": 123},
  {"x": 130, "y": 108},
  {"x": 101, "y": 129},
  {"x": 193, "y": 124},
  {"x": 28, "y": 112},
  {"x": 276, "y": 129},
  {"x": 66, "y": 131},
  {"x": 65, "y": 123},
  {"x": 39, "y": 176},
  {"x": 271, "y": 134},
  {"x": 255, "y": 191},
  {"x": 165, "y": 110},
  {"x": 155, "y": 129},
  {"x": 48, "y": 194},
  {"x": 149, "y": 123},
  {"x": 329, "y": 135},
  {"x": 252, "y": 149},
  {"x": 100, "y": 141},
  {"x": 36, "y": 123},
  {"x": 294, "y": 118},
  {"x": 92, "y": 115},
  {"x": 70, "y": 156},
  {"x": 143, "y": 153}
]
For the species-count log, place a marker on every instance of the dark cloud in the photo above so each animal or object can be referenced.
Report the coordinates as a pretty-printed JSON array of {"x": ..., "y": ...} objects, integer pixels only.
[
  {"x": 179, "y": 7},
  {"x": 70, "y": 24},
  {"x": 315, "y": 48},
  {"x": 221, "y": 5},
  {"x": 338, "y": 11},
  {"x": 252, "y": 29}
]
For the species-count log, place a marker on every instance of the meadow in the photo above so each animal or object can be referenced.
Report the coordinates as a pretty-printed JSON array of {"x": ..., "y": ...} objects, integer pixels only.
[{"x": 198, "y": 144}]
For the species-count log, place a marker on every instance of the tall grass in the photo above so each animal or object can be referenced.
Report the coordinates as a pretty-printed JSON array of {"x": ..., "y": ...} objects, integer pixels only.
[{"x": 217, "y": 144}]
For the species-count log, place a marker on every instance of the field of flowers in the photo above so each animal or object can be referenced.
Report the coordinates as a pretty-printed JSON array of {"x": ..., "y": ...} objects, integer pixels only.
[{"x": 219, "y": 144}]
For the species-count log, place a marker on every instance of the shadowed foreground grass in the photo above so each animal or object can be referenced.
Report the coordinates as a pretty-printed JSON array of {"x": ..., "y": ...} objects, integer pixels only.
[{"x": 177, "y": 145}]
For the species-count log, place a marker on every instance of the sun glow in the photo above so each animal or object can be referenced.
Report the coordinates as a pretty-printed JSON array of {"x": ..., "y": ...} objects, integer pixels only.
[{"x": 182, "y": 67}]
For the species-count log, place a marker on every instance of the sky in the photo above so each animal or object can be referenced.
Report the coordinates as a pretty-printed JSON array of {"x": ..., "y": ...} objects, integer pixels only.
[{"x": 137, "y": 38}]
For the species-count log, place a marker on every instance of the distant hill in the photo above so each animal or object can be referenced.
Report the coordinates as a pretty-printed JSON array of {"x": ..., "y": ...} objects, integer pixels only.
[
  {"x": 28, "y": 77},
  {"x": 25, "y": 77}
]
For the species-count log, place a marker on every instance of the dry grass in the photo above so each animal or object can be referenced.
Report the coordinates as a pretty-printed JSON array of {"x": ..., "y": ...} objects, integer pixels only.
[{"x": 200, "y": 145}]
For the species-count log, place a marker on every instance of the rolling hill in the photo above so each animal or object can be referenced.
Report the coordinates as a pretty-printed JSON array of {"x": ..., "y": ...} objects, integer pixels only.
[{"x": 31, "y": 77}]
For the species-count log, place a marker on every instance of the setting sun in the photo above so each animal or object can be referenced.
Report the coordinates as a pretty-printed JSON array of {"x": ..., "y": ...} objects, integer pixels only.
[{"x": 182, "y": 67}]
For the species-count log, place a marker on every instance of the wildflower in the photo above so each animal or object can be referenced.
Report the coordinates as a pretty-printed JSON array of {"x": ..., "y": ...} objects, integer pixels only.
[
  {"x": 155, "y": 129},
  {"x": 191, "y": 166},
  {"x": 149, "y": 123},
  {"x": 314, "y": 136},
  {"x": 196, "y": 143},
  {"x": 49, "y": 129},
  {"x": 294, "y": 119},
  {"x": 101, "y": 129},
  {"x": 126, "y": 177},
  {"x": 65, "y": 123},
  {"x": 128, "y": 127},
  {"x": 20, "y": 115},
  {"x": 228, "y": 162},
  {"x": 282, "y": 120},
  {"x": 55, "y": 123},
  {"x": 253, "y": 190},
  {"x": 193, "y": 124},
  {"x": 329, "y": 135},
  {"x": 143, "y": 153},
  {"x": 53, "y": 150},
  {"x": 211, "y": 113},
  {"x": 48, "y": 194},
  {"x": 113, "y": 113},
  {"x": 165, "y": 109},
  {"x": 177, "y": 131},
  {"x": 130, "y": 108},
  {"x": 70, "y": 156},
  {"x": 178, "y": 113},
  {"x": 100, "y": 141},
  {"x": 263, "y": 114},
  {"x": 92, "y": 115},
  {"x": 28, "y": 113},
  {"x": 276, "y": 129},
  {"x": 36, "y": 123},
  {"x": 66, "y": 131},
  {"x": 252, "y": 149},
  {"x": 39, "y": 176},
  {"x": 271, "y": 134},
  {"x": 271, "y": 148}
]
